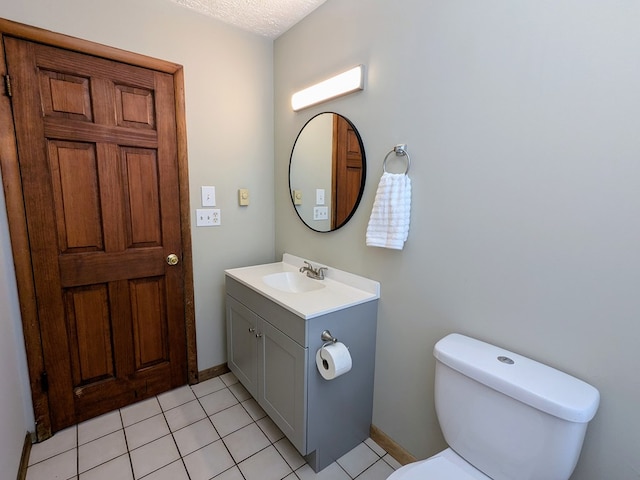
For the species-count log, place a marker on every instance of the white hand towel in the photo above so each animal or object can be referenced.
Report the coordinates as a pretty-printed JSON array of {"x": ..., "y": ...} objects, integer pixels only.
[{"x": 390, "y": 216}]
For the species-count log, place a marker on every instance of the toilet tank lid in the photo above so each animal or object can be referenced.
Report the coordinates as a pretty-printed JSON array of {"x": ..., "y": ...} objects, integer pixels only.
[{"x": 525, "y": 380}]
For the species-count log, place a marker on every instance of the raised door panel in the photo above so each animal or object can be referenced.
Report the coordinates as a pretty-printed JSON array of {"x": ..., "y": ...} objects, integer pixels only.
[
  {"x": 242, "y": 344},
  {"x": 135, "y": 107},
  {"x": 148, "y": 309},
  {"x": 90, "y": 335},
  {"x": 282, "y": 388},
  {"x": 353, "y": 179},
  {"x": 76, "y": 196},
  {"x": 65, "y": 95},
  {"x": 142, "y": 197}
]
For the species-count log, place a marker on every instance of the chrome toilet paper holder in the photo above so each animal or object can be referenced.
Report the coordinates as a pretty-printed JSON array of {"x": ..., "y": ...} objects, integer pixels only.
[
  {"x": 327, "y": 337},
  {"x": 332, "y": 358}
]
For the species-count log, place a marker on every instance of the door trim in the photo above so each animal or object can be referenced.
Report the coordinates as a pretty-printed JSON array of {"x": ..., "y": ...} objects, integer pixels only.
[{"x": 17, "y": 217}]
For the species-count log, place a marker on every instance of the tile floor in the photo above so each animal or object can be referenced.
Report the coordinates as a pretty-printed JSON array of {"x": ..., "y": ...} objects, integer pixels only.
[{"x": 213, "y": 430}]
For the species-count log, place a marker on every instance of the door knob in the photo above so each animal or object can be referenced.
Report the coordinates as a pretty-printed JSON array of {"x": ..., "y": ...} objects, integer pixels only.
[{"x": 173, "y": 259}]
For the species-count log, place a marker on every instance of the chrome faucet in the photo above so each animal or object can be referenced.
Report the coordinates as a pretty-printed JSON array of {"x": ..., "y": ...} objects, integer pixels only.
[{"x": 317, "y": 273}]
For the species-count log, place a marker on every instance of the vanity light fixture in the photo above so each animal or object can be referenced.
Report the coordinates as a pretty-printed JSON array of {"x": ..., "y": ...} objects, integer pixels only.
[{"x": 346, "y": 82}]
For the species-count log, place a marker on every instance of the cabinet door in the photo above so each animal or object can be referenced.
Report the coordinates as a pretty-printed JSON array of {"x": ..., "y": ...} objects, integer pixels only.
[
  {"x": 282, "y": 390},
  {"x": 242, "y": 345}
]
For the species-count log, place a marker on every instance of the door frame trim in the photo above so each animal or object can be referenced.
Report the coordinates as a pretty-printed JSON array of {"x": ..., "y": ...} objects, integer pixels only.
[{"x": 17, "y": 216}]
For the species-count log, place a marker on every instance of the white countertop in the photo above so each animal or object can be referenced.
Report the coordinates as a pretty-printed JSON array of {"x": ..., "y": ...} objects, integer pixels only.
[{"x": 341, "y": 289}]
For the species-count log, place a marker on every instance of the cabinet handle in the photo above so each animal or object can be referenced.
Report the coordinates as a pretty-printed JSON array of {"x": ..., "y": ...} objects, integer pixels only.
[
  {"x": 258, "y": 335},
  {"x": 251, "y": 330}
]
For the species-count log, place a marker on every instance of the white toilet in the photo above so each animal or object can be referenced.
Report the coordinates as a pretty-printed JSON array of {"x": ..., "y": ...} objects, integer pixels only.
[{"x": 504, "y": 416}]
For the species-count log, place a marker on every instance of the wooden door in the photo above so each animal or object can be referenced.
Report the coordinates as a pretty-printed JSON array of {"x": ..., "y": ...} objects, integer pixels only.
[
  {"x": 347, "y": 171},
  {"x": 96, "y": 142}
]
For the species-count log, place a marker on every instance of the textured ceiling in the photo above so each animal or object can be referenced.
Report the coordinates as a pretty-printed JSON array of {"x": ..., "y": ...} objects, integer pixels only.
[{"x": 269, "y": 18}]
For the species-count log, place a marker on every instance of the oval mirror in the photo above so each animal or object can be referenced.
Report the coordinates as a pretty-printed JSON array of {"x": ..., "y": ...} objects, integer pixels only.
[{"x": 327, "y": 172}]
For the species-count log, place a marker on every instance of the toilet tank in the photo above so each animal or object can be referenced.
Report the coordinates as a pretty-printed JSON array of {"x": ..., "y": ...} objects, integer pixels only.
[{"x": 507, "y": 415}]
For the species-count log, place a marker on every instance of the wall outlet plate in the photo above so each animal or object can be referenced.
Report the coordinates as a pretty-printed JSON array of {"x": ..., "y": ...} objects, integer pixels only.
[
  {"x": 215, "y": 217},
  {"x": 321, "y": 213}
]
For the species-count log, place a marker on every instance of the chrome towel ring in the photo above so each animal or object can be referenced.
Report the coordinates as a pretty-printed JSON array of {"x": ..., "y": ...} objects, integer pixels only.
[{"x": 401, "y": 151}]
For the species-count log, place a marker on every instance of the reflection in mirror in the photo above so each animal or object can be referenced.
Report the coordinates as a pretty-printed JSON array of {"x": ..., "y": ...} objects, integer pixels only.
[{"x": 327, "y": 172}]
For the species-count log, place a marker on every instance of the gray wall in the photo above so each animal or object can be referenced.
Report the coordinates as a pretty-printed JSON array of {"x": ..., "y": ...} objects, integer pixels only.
[
  {"x": 229, "y": 106},
  {"x": 16, "y": 415},
  {"x": 521, "y": 119}
]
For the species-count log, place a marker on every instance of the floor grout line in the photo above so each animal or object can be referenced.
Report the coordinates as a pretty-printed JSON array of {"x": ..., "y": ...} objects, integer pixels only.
[{"x": 199, "y": 399}]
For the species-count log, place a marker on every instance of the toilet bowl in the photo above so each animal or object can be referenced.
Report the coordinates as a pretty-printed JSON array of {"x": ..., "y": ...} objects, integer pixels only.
[{"x": 446, "y": 465}]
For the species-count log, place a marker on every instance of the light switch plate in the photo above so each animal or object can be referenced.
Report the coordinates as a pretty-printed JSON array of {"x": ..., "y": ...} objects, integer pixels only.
[
  {"x": 204, "y": 217},
  {"x": 297, "y": 197},
  {"x": 243, "y": 196},
  {"x": 208, "y": 196},
  {"x": 319, "y": 196}
]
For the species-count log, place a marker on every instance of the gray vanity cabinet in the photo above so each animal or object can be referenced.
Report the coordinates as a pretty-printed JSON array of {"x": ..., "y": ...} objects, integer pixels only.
[
  {"x": 282, "y": 383},
  {"x": 271, "y": 366},
  {"x": 272, "y": 352},
  {"x": 242, "y": 347}
]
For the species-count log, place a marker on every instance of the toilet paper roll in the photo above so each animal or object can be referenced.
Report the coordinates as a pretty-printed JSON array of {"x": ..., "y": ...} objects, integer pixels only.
[{"x": 333, "y": 360}]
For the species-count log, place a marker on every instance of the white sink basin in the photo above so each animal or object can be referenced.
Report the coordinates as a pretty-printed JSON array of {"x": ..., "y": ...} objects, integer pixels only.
[
  {"x": 283, "y": 283},
  {"x": 292, "y": 282}
]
